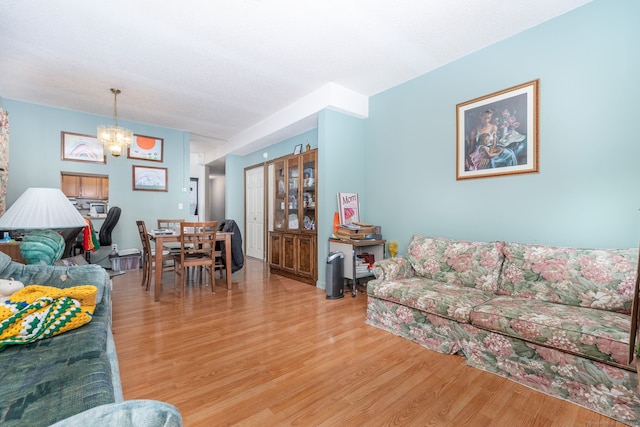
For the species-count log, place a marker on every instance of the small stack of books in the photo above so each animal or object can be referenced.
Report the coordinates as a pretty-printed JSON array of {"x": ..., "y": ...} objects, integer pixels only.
[
  {"x": 362, "y": 267},
  {"x": 355, "y": 231}
]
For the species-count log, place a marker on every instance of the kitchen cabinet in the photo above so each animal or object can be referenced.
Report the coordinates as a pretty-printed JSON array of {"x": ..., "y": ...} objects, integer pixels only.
[{"x": 85, "y": 186}]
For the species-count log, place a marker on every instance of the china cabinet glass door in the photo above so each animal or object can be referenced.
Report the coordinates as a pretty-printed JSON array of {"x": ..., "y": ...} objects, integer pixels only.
[
  {"x": 293, "y": 193},
  {"x": 309, "y": 197},
  {"x": 280, "y": 198}
]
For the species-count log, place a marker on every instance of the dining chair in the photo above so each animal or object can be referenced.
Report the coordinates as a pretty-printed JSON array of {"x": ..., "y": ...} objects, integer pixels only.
[
  {"x": 148, "y": 256},
  {"x": 197, "y": 249},
  {"x": 170, "y": 224},
  {"x": 219, "y": 262},
  {"x": 174, "y": 247}
]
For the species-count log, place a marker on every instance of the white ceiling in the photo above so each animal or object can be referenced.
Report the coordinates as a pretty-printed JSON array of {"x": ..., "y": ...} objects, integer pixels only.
[{"x": 231, "y": 71}]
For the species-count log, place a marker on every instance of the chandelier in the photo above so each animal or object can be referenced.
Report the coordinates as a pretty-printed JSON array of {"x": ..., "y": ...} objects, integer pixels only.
[{"x": 115, "y": 138}]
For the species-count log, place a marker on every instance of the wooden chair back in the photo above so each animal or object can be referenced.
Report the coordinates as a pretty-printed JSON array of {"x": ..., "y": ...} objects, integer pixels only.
[
  {"x": 169, "y": 224},
  {"x": 144, "y": 236},
  {"x": 146, "y": 254},
  {"x": 197, "y": 248},
  {"x": 198, "y": 239}
]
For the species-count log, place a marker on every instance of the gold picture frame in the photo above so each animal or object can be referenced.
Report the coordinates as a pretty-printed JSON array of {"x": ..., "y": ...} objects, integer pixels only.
[{"x": 497, "y": 134}]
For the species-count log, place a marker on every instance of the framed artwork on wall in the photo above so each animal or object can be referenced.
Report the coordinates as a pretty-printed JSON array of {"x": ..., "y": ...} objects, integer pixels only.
[
  {"x": 349, "y": 208},
  {"x": 146, "y": 148},
  {"x": 148, "y": 178},
  {"x": 82, "y": 148},
  {"x": 497, "y": 134}
]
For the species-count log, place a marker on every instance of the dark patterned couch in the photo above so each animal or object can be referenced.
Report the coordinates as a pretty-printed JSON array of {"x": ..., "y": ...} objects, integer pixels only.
[
  {"x": 72, "y": 378},
  {"x": 554, "y": 319}
]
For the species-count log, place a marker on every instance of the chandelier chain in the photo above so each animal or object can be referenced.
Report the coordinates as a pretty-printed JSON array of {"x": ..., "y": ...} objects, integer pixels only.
[{"x": 116, "y": 92}]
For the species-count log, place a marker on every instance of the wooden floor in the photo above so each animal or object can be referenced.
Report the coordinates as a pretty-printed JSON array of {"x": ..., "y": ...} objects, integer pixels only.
[{"x": 273, "y": 351}]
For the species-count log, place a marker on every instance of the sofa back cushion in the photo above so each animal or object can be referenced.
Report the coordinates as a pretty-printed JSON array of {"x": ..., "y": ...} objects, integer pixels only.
[
  {"x": 457, "y": 262},
  {"x": 596, "y": 278},
  {"x": 58, "y": 276}
]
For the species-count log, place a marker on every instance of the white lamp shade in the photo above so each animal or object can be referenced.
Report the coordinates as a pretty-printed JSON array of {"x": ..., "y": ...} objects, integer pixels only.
[{"x": 42, "y": 208}]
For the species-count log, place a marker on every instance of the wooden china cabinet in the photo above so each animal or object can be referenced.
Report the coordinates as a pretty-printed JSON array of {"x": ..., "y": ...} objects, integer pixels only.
[{"x": 293, "y": 237}]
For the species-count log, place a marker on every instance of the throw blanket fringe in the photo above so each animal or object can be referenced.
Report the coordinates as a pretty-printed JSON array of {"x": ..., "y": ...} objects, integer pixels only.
[{"x": 37, "y": 312}]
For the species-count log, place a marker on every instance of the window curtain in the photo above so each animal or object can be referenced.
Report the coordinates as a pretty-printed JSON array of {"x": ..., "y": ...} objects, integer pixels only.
[{"x": 4, "y": 158}]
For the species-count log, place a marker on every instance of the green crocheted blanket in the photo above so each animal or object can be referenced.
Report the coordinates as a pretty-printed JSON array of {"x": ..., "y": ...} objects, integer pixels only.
[{"x": 37, "y": 312}]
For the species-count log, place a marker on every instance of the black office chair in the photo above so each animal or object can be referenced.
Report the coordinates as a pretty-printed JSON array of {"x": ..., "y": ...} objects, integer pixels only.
[
  {"x": 70, "y": 236},
  {"x": 109, "y": 223}
]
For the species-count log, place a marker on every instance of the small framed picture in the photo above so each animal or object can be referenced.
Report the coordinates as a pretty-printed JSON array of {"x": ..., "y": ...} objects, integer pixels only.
[
  {"x": 82, "y": 148},
  {"x": 146, "y": 148},
  {"x": 148, "y": 178},
  {"x": 497, "y": 134},
  {"x": 298, "y": 149},
  {"x": 349, "y": 208}
]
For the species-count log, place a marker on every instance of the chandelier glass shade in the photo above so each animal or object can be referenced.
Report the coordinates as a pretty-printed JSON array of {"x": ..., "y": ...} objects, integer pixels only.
[{"x": 116, "y": 139}]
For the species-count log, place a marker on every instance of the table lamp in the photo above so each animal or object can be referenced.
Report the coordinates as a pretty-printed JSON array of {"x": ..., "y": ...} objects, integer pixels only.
[{"x": 42, "y": 209}]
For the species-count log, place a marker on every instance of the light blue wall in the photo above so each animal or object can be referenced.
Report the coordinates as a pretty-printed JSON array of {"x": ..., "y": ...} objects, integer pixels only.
[
  {"x": 282, "y": 148},
  {"x": 586, "y": 193},
  {"x": 234, "y": 190},
  {"x": 35, "y": 161},
  {"x": 401, "y": 160},
  {"x": 341, "y": 169}
]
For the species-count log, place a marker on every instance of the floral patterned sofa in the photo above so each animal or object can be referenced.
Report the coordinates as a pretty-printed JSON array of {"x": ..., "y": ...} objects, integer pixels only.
[{"x": 554, "y": 319}]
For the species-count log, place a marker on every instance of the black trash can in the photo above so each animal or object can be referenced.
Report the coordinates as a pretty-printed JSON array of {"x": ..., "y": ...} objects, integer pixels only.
[{"x": 335, "y": 275}]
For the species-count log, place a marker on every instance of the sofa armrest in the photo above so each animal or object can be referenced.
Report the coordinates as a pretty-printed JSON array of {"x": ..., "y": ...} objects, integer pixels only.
[
  {"x": 393, "y": 269},
  {"x": 130, "y": 413}
]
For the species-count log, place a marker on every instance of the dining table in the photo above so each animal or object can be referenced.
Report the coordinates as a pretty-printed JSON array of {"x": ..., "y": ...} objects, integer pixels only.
[{"x": 160, "y": 238}]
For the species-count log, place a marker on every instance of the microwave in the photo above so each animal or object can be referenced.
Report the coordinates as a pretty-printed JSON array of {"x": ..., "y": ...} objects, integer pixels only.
[{"x": 98, "y": 210}]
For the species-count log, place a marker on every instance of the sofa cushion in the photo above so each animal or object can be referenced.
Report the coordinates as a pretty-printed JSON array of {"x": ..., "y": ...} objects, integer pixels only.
[
  {"x": 431, "y": 296},
  {"x": 596, "y": 278},
  {"x": 595, "y": 334},
  {"x": 457, "y": 262}
]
